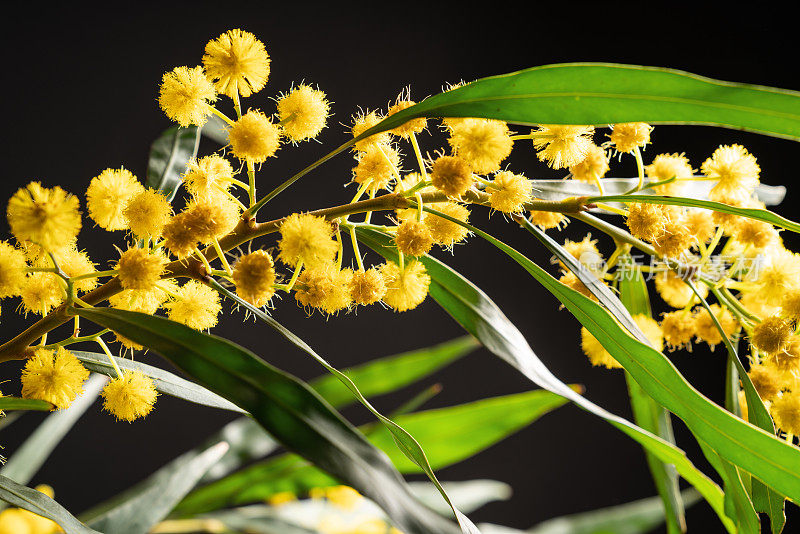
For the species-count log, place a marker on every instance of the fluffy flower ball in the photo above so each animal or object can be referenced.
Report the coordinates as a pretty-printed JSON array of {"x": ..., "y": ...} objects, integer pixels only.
[
  {"x": 509, "y": 192},
  {"x": 411, "y": 127},
  {"x": 108, "y": 196},
  {"x": 735, "y": 170},
  {"x": 12, "y": 270},
  {"x": 627, "y": 136},
  {"x": 237, "y": 62},
  {"x": 563, "y": 146},
  {"x": 367, "y": 287},
  {"x": 147, "y": 213},
  {"x": 377, "y": 165},
  {"x": 413, "y": 238},
  {"x": 483, "y": 143},
  {"x": 407, "y": 288},
  {"x": 208, "y": 175},
  {"x": 47, "y": 217},
  {"x": 185, "y": 95},
  {"x": 303, "y": 112},
  {"x": 593, "y": 167},
  {"x": 139, "y": 269},
  {"x": 451, "y": 175},
  {"x": 306, "y": 238},
  {"x": 443, "y": 231},
  {"x": 196, "y": 305},
  {"x": 53, "y": 376},
  {"x": 772, "y": 334},
  {"x": 254, "y": 276},
  {"x": 130, "y": 396},
  {"x": 254, "y": 138}
]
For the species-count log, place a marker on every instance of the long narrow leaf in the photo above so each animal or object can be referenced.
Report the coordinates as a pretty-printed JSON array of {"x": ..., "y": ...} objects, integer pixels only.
[{"x": 17, "y": 403}]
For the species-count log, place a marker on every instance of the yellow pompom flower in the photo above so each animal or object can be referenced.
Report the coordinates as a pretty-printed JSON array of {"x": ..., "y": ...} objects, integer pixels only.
[
  {"x": 786, "y": 363},
  {"x": 700, "y": 224},
  {"x": 408, "y": 128},
  {"x": 646, "y": 221},
  {"x": 376, "y": 165},
  {"x": 325, "y": 287},
  {"x": 307, "y": 238},
  {"x": 254, "y": 137},
  {"x": 147, "y": 214},
  {"x": 413, "y": 238},
  {"x": 363, "y": 122},
  {"x": 196, "y": 305},
  {"x": 563, "y": 146},
  {"x": 585, "y": 251},
  {"x": 451, "y": 175},
  {"x": 597, "y": 354},
  {"x": 55, "y": 376},
  {"x": 48, "y": 217},
  {"x": 108, "y": 195},
  {"x": 790, "y": 303},
  {"x": 667, "y": 166},
  {"x": 41, "y": 292},
  {"x": 735, "y": 170},
  {"x": 779, "y": 276},
  {"x": 674, "y": 240},
  {"x": 707, "y": 330},
  {"x": 179, "y": 237},
  {"x": 786, "y": 412},
  {"x": 444, "y": 232},
  {"x": 237, "y": 62},
  {"x": 627, "y": 136},
  {"x": 757, "y": 305},
  {"x": 185, "y": 95},
  {"x": 593, "y": 167},
  {"x": 14, "y": 521},
  {"x": 343, "y": 497},
  {"x": 509, "y": 192},
  {"x": 143, "y": 300},
  {"x": 571, "y": 280},
  {"x": 483, "y": 143},
  {"x": 303, "y": 112},
  {"x": 757, "y": 234},
  {"x": 36, "y": 524},
  {"x": 12, "y": 270},
  {"x": 547, "y": 219},
  {"x": 254, "y": 276},
  {"x": 211, "y": 218},
  {"x": 675, "y": 291},
  {"x": 407, "y": 288},
  {"x": 76, "y": 263},
  {"x": 678, "y": 328},
  {"x": 129, "y": 396},
  {"x": 137, "y": 268},
  {"x": 367, "y": 287},
  {"x": 208, "y": 175},
  {"x": 772, "y": 334},
  {"x": 765, "y": 380}
]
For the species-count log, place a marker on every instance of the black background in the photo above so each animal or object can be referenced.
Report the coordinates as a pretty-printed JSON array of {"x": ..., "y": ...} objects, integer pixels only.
[{"x": 80, "y": 87}]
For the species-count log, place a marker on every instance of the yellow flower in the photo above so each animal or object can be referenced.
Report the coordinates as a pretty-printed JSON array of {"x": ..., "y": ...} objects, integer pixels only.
[
  {"x": 593, "y": 167},
  {"x": 597, "y": 354},
  {"x": 735, "y": 170},
  {"x": 210, "y": 218},
  {"x": 766, "y": 381},
  {"x": 675, "y": 291},
  {"x": 451, "y": 175},
  {"x": 363, "y": 122},
  {"x": 185, "y": 95},
  {"x": 667, "y": 166},
  {"x": 509, "y": 192},
  {"x": 627, "y": 136},
  {"x": 585, "y": 251},
  {"x": 786, "y": 363},
  {"x": 12, "y": 270},
  {"x": 343, "y": 497},
  {"x": 14, "y": 521},
  {"x": 196, "y": 305},
  {"x": 208, "y": 175},
  {"x": 678, "y": 328},
  {"x": 281, "y": 498},
  {"x": 108, "y": 195},
  {"x": 36, "y": 523},
  {"x": 75, "y": 263},
  {"x": 563, "y": 146},
  {"x": 790, "y": 303},
  {"x": 407, "y": 288},
  {"x": 307, "y": 238},
  {"x": 757, "y": 234},
  {"x": 237, "y": 62},
  {"x": 179, "y": 237},
  {"x": 376, "y": 165},
  {"x": 41, "y": 293},
  {"x": 483, "y": 143},
  {"x": 53, "y": 376},
  {"x": 254, "y": 276},
  {"x": 786, "y": 412},
  {"x": 674, "y": 240},
  {"x": 48, "y": 217},
  {"x": 700, "y": 224},
  {"x": 443, "y": 231},
  {"x": 139, "y": 269},
  {"x": 303, "y": 112},
  {"x": 772, "y": 334},
  {"x": 325, "y": 287},
  {"x": 367, "y": 287},
  {"x": 130, "y": 396},
  {"x": 571, "y": 280},
  {"x": 254, "y": 137},
  {"x": 143, "y": 300},
  {"x": 707, "y": 330},
  {"x": 408, "y": 128},
  {"x": 147, "y": 214},
  {"x": 779, "y": 276},
  {"x": 547, "y": 219},
  {"x": 413, "y": 238},
  {"x": 646, "y": 221}
]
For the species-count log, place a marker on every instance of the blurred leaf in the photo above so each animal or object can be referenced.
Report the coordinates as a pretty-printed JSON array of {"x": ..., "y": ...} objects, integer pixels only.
[
  {"x": 169, "y": 156},
  {"x": 402, "y": 439},
  {"x": 481, "y": 317},
  {"x": 165, "y": 382},
  {"x": 469, "y": 495},
  {"x": 29, "y": 457},
  {"x": 607, "y": 93},
  {"x": 637, "y": 517},
  {"x": 287, "y": 408},
  {"x": 39, "y": 503},
  {"x": 17, "y": 403},
  {"x": 248, "y": 441},
  {"x": 139, "y": 508}
]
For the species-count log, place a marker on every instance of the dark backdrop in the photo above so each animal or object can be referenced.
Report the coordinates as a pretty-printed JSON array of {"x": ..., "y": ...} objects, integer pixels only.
[{"x": 80, "y": 95}]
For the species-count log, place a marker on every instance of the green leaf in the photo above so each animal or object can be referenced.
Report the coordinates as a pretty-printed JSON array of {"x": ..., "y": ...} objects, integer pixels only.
[
  {"x": 37, "y": 502},
  {"x": 450, "y": 435},
  {"x": 751, "y": 213},
  {"x": 248, "y": 441},
  {"x": 404, "y": 441},
  {"x": 287, "y": 408},
  {"x": 637, "y": 517},
  {"x": 29, "y": 457},
  {"x": 169, "y": 156},
  {"x": 605, "y": 93},
  {"x": 391, "y": 373},
  {"x": 138, "y": 509},
  {"x": 18, "y": 403},
  {"x": 764, "y": 456},
  {"x": 165, "y": 382},
  {"x": 481, "y": 317},
  {"x": 646, "y": 412},
  {"x": 469, "y": 495}
]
